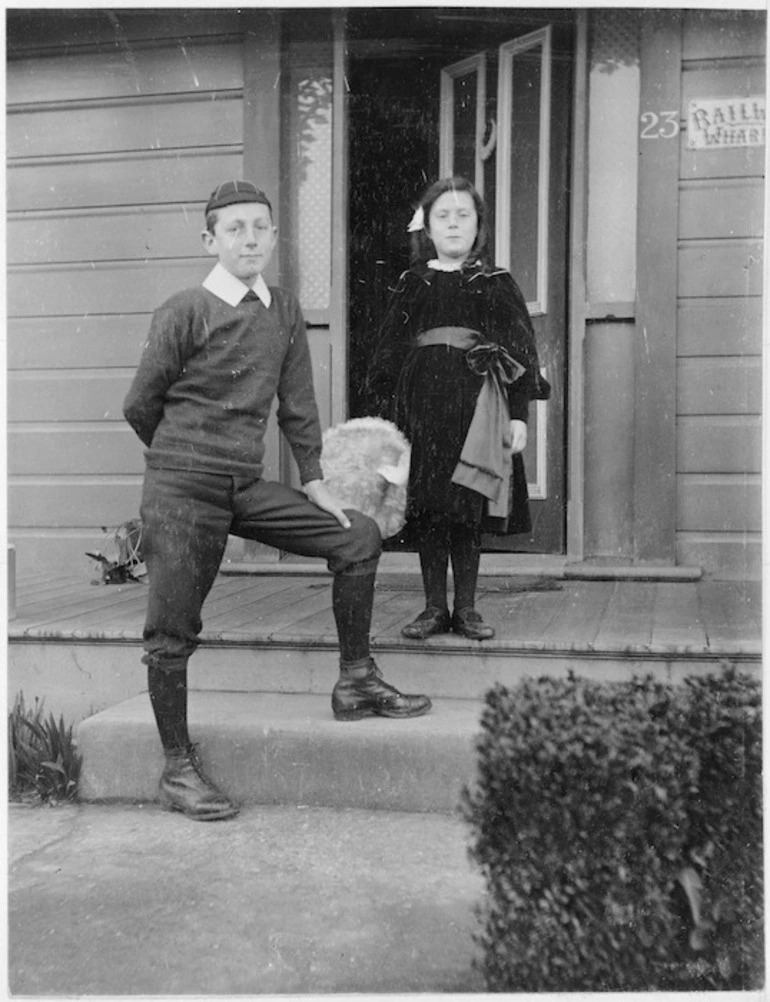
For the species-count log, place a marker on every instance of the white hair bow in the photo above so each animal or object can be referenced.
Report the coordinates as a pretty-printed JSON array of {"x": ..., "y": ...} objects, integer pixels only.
[{"x": 418, "y": 221}]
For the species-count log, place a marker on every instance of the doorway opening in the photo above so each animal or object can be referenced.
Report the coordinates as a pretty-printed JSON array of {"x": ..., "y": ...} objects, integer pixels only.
[{"x": 486, "y": 93}]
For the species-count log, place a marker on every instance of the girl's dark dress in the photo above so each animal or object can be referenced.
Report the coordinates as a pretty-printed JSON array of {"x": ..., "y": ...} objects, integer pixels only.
[{"x": 430, "y": 392}]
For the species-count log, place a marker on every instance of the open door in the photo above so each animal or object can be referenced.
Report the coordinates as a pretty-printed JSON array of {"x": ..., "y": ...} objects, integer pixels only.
[{"x": 503, "y": 142}]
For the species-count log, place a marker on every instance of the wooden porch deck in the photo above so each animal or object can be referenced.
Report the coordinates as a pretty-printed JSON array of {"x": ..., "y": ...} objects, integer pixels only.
[{"x": 701, "y": 620}]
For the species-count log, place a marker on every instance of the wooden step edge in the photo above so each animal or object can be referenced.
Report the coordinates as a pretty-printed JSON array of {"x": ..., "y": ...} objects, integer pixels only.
[
  {"x": 557, "y": 569},
  {"x": 445, "y": 646}
]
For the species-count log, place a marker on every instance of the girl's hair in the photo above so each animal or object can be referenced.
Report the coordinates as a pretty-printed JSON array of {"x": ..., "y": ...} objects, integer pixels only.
[{"x": 423, "y": 248}]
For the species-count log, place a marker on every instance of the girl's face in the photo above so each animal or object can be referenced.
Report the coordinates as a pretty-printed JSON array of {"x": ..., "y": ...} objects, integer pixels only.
[{"x": 453, "y": 226}]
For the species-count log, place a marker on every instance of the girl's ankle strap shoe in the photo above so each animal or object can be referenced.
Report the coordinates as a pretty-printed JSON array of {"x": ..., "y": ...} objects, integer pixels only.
[
  {"x": 430, "y": 622},
  {"x": 469, "y": 623}
]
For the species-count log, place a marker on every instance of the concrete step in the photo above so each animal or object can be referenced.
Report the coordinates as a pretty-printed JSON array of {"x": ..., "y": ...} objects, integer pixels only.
[
  {"x": 274, "y": 748},
  {"x": 79, "y": 675}
]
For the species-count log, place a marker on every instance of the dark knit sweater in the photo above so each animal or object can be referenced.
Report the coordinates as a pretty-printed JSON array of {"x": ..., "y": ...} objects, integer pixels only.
[{"x": 207, "y": 378}]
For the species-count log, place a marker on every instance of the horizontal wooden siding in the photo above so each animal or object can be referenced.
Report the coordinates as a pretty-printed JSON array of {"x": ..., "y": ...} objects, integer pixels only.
[
  {"x": 118, "y": 124},
  {"x": 719, "y": 338}
]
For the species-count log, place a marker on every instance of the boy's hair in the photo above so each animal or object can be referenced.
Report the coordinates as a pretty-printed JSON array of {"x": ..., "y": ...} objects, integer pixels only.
[
  {"x": 423, "y": 248},
  {"x": 211, "y": 220},
  {"x": 213, "y": 216}
]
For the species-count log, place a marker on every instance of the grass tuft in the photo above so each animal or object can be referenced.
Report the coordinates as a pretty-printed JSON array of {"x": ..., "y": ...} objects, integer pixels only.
[{"x": 43, "y": 761}]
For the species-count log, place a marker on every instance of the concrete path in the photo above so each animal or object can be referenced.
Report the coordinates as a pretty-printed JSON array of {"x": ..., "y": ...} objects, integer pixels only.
[{"x": 131, "y": 900}]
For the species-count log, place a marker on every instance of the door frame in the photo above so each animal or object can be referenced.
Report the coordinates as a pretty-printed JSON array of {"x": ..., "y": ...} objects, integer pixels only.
[
  {"x": 456, "y": 71},
  {"x": 576, "y": 296},
  {"x": 538, "y": 488},
  {"x": 338, "y": 293},
  {"x": 575, "y": 266}
]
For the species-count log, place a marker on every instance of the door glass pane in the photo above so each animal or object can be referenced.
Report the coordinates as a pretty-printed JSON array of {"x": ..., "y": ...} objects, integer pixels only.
[
  {"x": 465, "y": 96},
  {"x": 311, "y": 183},
  {"x": 314, "y": 153},
  {"x": 525, "y": 169}
]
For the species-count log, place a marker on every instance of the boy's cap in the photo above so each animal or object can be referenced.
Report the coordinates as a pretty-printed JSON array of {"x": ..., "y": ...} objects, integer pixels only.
[{"x": 233, "y": 192}]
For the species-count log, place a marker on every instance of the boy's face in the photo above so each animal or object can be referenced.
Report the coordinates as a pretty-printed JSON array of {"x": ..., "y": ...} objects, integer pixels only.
[{"x": 243, "y": 239}]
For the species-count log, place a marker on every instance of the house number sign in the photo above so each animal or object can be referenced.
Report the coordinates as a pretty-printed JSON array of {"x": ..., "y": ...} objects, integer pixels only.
[
  {"x": 659, "y": 124},
  {"x": 725, "y": 123}
]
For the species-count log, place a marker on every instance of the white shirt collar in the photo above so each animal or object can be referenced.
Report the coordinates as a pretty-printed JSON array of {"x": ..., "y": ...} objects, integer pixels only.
[{"x": 227, "y": 287}]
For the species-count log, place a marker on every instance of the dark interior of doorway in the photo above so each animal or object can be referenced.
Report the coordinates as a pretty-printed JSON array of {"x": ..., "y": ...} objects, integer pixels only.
[{"x": 393, "y": 155}]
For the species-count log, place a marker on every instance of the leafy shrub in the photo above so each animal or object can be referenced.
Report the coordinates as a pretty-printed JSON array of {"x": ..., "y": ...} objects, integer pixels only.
[
  {"x": 619, "y": 830},
  {"x": 42, "y": 756}
]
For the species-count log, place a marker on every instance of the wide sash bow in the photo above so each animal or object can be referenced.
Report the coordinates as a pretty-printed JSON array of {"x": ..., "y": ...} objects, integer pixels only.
[
  {"x": 486, "y": 356},
  {"x": 485, "y": 460}
]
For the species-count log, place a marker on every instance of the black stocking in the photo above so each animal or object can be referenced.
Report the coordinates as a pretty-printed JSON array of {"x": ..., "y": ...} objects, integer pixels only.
[
  {"x": 168, "y": 696},
  {"x": 466, "y": 555},
  {"x": 352, "y": 602},
  {"x": 434, "y": 560}
]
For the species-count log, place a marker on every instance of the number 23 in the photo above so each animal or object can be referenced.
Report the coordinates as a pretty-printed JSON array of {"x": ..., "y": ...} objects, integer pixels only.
[{"x": 659, "y": 126}]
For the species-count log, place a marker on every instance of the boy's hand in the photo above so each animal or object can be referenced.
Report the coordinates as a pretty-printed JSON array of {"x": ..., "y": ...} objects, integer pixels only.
[
  {"x": 518, "y": 436},
  {"x": 321, "y": 496}
]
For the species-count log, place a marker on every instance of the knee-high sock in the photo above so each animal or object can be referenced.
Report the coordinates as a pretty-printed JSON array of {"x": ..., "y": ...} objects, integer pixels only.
[
  {"x": 352, "y": 602},
  {"x": 168, "y": 696},
  {"x": 434, "y": 561},
  {"x": 465, "y": 550}
]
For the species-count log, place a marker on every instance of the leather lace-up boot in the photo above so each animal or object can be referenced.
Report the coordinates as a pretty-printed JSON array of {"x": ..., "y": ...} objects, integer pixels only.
[
  {"x": 185, "y": 787},
  {"x": 362, "y": 692}
]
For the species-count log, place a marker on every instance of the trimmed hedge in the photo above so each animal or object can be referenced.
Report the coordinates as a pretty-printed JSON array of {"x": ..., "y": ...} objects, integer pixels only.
[{"x": 619, "y": 830}]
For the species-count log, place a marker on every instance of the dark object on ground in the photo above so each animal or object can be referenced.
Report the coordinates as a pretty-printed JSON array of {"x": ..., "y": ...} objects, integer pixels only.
[{"x": 126, "y": 562}]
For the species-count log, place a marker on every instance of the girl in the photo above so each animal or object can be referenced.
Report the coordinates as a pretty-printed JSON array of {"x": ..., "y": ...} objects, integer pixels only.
[{"x": 455, "y": 368}]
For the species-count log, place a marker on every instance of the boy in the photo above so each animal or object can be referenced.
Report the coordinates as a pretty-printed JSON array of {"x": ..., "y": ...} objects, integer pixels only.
[{"x": 215, "y": 358}]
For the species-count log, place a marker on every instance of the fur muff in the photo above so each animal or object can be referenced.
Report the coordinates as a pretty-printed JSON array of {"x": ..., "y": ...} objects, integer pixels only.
[{"x": 366, "y": 464}]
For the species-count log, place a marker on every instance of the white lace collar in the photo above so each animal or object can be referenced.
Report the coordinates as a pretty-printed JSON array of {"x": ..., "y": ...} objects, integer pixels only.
[{"x": 437, "y": 265}]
